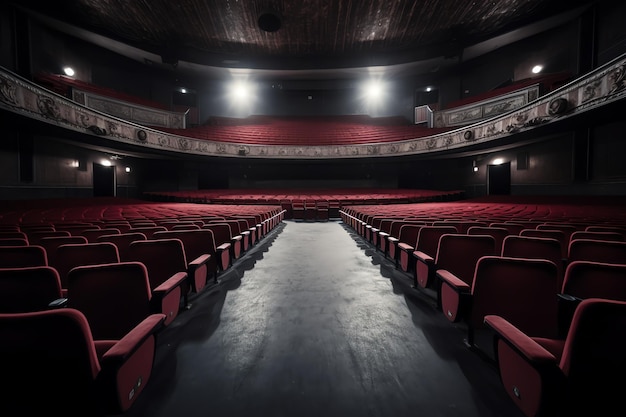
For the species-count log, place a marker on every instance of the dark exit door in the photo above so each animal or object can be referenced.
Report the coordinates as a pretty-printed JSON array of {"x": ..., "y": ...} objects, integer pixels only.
[
  {"x": 499, "y": 179},
  {"x": 103, "y": 181}
]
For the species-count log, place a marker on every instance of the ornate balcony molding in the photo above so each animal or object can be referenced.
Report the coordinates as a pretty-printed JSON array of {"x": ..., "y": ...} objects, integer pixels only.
[
  {"x": 485, "y": 109},
  {"x": 129, "y": 111},
  {"x": 600, "y": 87}
]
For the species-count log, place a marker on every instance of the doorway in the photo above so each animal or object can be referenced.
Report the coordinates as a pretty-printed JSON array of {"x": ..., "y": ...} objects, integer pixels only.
[
  {"x": 103, "y": 180},
  {"x": 499, "y": 179}
]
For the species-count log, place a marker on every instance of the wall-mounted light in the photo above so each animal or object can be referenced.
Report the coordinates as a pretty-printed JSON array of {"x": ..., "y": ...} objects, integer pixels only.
[
  {"x": 537, "y": 69},
  {"x": 474, "y": 166},
  {"x": 106, "y": 163},
  {"x": 127, "y": 169},
  {"x": 498, "y": 161},
  {"x": 69, "y": 71},
  {"x": 75, "y": 163}
]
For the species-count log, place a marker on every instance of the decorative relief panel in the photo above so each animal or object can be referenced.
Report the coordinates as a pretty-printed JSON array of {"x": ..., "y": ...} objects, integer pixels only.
[
  {"x": 128, "y": 111},
  {"x": 485, "y": 109},
  {"x": 602, "y": 86}
]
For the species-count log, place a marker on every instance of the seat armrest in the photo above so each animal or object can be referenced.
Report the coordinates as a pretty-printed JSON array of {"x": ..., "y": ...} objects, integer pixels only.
[
  {"x": 525, "y": 345},
  {"x": 405, "y": 247},
  {"x": 223, "y": 247},
  {"x": 383, "y": 234},
  {"x": 454, "y": 295},
  {"x": 453, "y": 281},
  {"x": 200, "y": 260},
  {"x": 172, "y": 282},
  {"x": 134, "y": 338},
  {"x": 392, "y": 239},
  {"x": 198, "y": 272},
  {"x": 423, "y": 257}
]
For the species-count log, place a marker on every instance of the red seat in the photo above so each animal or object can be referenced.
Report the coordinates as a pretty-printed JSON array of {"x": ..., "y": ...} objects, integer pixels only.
[
  {"x": 521, "y": 290},
  {"x": 52, "y": 360},
  {"x": 535, "y": 248},
  {"x": 198, "y": 244},
  {"x": 114, "y": 297},
  {"x": 426, "y": 252},
  {"x": 122, "y": 241},
  {"x": 69, "y": 256},
  {"x": 22, "y": 256},
  {"x": 28, "y": 289},
  {"x": 597, "y": 250},
  {"x": 166, "y": 263},
  {"x": 581, "y": 375}
]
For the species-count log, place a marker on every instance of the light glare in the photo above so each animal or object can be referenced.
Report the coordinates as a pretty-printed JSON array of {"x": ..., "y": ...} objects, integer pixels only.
[{"x": 537, "y": 69}]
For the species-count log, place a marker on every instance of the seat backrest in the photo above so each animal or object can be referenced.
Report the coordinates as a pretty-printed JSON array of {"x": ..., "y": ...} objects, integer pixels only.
[
  {"x": 498, "y": 233},
  {"x": 13, "y": 235},
  {"x": 34, "y": 237},
  {"x": 552, "y": 234},
  {"x": 114, "y": 297},
  {"x": 221, "y": 232},
  {"x": 428, "y": 238},
  {"x": 461, "y": 225},
  {"x": 593, "y": 359},
  {"x": 93, "y": 234},
  {"x": 396, "y": 225},
  {"x": 607, "y": 228},
  {"x": 22, "y": 256},
  {"x": 597, "y": 250},
  {"x": 586, "y": 234},
  {"x": 148, "y": 231},
  {"x": 513, "y": 228},
  {"x": 51, "y": 244},
  {"x": 72, "y": 255},
  {"x": 235, "y": 226},
  {"x": 53, "y": 354},
  {"x": 195, "y": 242},
  {"x": 122, "y": 241},
  {"x": 28, "y": 289},
  {"x": 587, "y": 279},
  {"x": 409, "y": 233},
  {"x": 534, "y": 248},
  {"x": 566, "y": 228},
  {"x": 161, "y": 257},
  {"x": 13, "y": 241},
  {"x": 458, "y": 253},
  {"x": 524, "y": 291}
]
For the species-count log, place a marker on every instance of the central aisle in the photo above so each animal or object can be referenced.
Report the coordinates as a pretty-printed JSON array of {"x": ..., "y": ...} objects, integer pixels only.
[{"x": 314, "y": 323}]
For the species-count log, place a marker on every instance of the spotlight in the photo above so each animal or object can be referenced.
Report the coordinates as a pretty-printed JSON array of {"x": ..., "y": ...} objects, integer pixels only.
[
  {"x": 498, "y": 161},
  {"x": 240, "y": 90},
  {"x": 127, "y": 169},
  {"x": 69, "y": 71},
  {"x": 374, "y": 90},
  {"x": 106, "y": 163},
  {"x": 537, "y": 69}
]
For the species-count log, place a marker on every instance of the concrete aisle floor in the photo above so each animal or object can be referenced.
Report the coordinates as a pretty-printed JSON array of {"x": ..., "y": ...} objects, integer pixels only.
[{"x": 314, "y": 322}]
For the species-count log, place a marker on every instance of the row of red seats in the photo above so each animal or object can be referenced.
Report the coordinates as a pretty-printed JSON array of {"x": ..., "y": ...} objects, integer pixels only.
[
  {"x": 511, "y": 286},
  {"x": 94, "y": 297}
]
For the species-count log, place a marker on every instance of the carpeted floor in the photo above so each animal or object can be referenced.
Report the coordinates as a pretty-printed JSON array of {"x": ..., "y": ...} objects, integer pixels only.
[{"x": 314, "y": 322}]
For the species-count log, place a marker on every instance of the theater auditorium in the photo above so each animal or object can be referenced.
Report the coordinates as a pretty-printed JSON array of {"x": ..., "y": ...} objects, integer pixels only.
[{"x": 312, "y": 208}]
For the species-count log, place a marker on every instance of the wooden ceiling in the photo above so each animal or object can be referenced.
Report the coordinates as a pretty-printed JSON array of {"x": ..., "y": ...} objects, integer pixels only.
[{"x": 311, "y": 33}]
